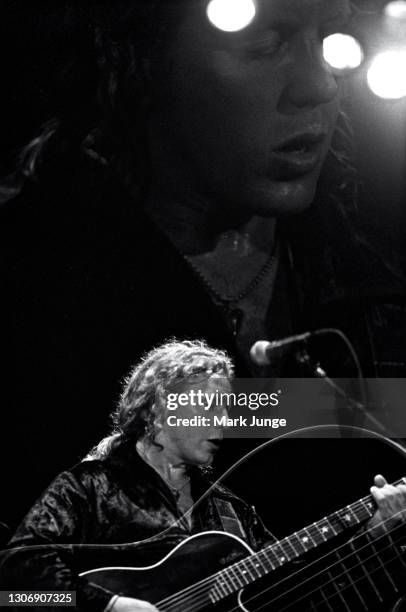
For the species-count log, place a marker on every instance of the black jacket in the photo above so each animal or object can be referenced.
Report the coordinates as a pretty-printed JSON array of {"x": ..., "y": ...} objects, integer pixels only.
[{"x": 111, "y": 502}]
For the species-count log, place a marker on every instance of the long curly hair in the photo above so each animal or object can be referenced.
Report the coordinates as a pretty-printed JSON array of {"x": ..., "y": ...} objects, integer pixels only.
[{"x": 158, "y": 373}]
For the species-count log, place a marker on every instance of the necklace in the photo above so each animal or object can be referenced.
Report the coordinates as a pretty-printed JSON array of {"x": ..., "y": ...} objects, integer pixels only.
[{"x": 229, "y": 303}]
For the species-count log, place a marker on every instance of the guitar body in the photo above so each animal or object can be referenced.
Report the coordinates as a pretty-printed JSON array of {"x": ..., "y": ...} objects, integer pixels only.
[
  {"x": 187, "y": 563},
  {"x": 161, "y": 571}
]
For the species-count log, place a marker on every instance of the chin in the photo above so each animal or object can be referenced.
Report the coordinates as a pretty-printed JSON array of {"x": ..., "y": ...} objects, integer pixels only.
[
  {"x": 205, "y": 460},
  {"x": 283, "y": 198}
]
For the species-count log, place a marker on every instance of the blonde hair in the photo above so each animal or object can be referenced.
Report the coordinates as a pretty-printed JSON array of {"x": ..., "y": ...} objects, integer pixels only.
[{"x": 157, "y": 373}]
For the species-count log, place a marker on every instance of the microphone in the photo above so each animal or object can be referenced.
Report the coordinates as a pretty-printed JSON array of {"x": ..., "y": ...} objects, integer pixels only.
[{"x": 261, "y": 351}]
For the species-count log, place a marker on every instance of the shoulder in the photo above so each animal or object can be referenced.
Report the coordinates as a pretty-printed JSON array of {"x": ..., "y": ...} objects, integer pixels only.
[
  {"x": 88, "y": 471},
  {"x": 336, "y": 258},
  {"x": 81, "y": 480}
]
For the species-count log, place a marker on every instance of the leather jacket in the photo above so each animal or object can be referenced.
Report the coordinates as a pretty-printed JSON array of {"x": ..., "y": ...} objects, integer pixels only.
[{"x": 112, "y": 502}]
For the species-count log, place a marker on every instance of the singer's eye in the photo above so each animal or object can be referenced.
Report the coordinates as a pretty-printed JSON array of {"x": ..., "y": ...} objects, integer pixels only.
[{"x": 270, "y": 45}]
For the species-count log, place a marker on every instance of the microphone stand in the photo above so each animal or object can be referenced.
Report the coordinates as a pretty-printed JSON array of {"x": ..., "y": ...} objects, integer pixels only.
[{"x": 304, "y": 358}]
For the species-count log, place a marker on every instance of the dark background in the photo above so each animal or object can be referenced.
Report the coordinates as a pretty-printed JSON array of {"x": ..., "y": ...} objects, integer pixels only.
[{"x": 41, "y": 51}]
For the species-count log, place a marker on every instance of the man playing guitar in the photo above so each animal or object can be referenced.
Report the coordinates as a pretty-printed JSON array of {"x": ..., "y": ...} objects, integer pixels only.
[{"x": 143, "y": 481}]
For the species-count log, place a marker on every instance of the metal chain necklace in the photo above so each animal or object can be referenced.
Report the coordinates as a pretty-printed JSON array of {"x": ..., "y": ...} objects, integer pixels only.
[{"x": 229, "y": 303}]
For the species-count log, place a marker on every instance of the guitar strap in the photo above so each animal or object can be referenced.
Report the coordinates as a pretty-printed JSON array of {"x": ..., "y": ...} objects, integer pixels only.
[{"x": 229, "y": 519}]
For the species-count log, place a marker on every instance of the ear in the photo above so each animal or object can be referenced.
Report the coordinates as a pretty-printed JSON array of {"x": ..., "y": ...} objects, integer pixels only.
[{"x": 157, "y": 416}]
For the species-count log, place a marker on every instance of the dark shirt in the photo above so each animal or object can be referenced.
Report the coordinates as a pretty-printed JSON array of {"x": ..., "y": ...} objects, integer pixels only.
[{"x": 113, "y": 502}]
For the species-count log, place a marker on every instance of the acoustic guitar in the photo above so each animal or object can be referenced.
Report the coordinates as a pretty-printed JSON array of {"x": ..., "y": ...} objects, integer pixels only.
[{"x": 312, "y": 569}]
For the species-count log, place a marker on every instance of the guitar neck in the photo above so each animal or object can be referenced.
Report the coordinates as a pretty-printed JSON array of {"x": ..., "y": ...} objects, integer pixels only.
[{"x": 276, "y": 555}]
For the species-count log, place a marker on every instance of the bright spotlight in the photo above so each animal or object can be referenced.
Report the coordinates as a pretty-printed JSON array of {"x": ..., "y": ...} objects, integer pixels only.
[
  {"x": 231, "y": 15},
  {"x": 387, "y": 75},
  {"x": 396, "y": 9},
  {"x": 342, "y": 52}
]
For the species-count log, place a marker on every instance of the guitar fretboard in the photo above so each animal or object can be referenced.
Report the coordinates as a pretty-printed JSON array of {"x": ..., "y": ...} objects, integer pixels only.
[{"x": 274, "y": 556}]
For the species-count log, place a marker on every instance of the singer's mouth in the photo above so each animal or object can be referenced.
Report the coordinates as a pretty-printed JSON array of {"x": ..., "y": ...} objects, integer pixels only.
[
  {"x": 302, "y": 143},
  {"x": 298, "y": 156}
]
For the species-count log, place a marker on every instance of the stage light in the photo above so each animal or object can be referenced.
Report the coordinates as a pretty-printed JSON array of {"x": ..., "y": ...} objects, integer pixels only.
[
  {"x": 231, "y": 15},
  {"x": 387, "y": 75},
  {"x": 342, "y": 52},
  {"x": 396, "y": 9}
]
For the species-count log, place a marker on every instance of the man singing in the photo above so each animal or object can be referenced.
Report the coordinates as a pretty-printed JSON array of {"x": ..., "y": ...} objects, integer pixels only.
[{"x": 144, "y": 479}]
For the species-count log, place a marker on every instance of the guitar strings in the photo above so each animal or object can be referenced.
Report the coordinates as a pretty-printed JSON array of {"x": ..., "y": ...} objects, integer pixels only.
[
  {"x": 348, "y": 586},
  {"x": 197, "y": 587},
  {"x": 201, "y": 584},
  {"x": 324, "y": 570},
  {"x": 197, "y": 593},
  {"x": 300, "y": 584},
  {"x": 360, "y": 504},
  {"x": 332, "y": 580}
]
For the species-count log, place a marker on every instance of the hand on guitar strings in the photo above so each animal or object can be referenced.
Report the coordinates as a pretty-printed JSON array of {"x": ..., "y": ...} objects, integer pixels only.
[{"x": 391, "y": 506}]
